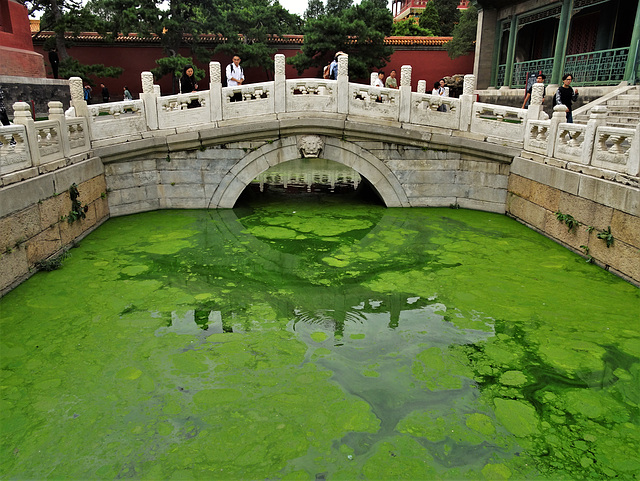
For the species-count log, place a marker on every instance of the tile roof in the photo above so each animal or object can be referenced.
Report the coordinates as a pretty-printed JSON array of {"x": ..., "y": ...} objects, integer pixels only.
[{"x": 214, "y": 38}]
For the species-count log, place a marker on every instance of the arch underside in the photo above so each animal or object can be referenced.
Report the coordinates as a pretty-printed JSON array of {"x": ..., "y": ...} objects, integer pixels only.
[{"x": 285, "y": 149}]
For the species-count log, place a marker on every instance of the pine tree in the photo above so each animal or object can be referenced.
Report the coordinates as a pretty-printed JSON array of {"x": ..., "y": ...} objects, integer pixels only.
[
  {"x": 358, "y": 30},
  {"x": 315, "y": 8},
  {"x": 449, "y": 15},
  {"x": 430, "y": 19},
  {"x": 464, "y": 34}
]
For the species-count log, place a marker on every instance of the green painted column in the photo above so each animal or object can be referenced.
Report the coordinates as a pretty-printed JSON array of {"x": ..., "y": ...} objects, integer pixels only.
[
  {"x": 561, "y": 42},
  {"x": 631, "y": 69},
  {"x": 511, "y": 51},
  {"x": 496, "y": 54}
]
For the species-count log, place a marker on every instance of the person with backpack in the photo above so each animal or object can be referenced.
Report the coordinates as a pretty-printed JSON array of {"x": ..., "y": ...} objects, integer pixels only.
[
  {"x": 333, "y": 67},
  {"x": 235, "y": 76},
  {"x": 565, "y": 95}
]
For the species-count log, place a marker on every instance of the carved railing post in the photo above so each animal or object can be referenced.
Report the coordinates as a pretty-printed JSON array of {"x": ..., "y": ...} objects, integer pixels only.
[
  {"x": 215, "y": 90},
  {"x": 535, "y": 111},
  {"x": 597, "y": 117},
  {"x": 343, "y": 84},
  {"x": 22, "y": 116},
  {"x": 372, "y": 78},
  {"x": 280, "y": 84},
  {"x": 467, "y": 100},
  {"x": 633, "y": 167},
  {"x": 77, "y": 98},
  {"x": 559, "y": 117},
  {"x": 422, "y": 87},
  {"x": 405, "y": 94},
  {"x": 149, "y": 97},
  {"x": 56, "y": 112}
]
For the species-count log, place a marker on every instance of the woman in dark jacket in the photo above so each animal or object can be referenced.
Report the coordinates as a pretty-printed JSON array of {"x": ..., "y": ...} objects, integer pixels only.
[{"x": 188, "y": 84}]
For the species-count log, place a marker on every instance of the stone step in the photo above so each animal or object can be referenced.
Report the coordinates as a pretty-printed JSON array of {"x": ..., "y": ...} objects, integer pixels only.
[
  {"x": 623, "y": 103},
  {"x": 622, "y": 125},
  {"x": 635, "y": 97}
]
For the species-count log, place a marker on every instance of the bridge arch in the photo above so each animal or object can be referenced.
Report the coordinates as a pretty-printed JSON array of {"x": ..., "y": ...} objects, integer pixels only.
[{"x": 383, "y": 180}]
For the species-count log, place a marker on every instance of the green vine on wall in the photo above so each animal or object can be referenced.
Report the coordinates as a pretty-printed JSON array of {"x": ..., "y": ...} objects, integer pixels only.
[
  {"x": 78, "y": 211},
  {"x": 573, "y": 224}
]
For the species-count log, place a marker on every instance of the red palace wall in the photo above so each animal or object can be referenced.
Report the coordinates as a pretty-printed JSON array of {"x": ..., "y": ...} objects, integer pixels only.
[
  {"x": 17, "y": 56},
  {"x": 428, "y": 64}
]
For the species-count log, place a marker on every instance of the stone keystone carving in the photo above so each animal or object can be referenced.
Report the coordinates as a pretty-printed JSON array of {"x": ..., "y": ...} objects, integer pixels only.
[{"x": 310, "y": 146}]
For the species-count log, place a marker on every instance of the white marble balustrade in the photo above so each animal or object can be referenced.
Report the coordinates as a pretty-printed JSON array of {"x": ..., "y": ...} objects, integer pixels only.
[{"x": 28, "y": 144}]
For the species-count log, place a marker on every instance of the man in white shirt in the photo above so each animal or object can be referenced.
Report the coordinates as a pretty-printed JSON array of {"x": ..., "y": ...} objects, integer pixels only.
[{"x": 235, "y": 76}]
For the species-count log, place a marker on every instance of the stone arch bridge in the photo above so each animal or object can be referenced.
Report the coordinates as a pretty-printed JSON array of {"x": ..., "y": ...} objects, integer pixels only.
[{"x": 201, "y": 150}]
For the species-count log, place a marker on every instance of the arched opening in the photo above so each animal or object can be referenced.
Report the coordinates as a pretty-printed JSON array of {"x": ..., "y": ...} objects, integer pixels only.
[
  {"x": 314, "y": 179},
  {"x": 378, "y": 175}
]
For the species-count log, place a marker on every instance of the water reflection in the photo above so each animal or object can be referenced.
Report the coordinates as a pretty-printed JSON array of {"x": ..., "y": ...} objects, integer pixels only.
[{"x": 321, "y": 337}]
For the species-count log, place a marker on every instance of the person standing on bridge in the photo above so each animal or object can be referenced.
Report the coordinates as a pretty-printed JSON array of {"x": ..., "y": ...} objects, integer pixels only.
[
  {"x": 188, "y": 84},
  {"x": 391, "y": 82},
  {"x": 565, "y": 95},
  {"x": 235, "y": 76}
]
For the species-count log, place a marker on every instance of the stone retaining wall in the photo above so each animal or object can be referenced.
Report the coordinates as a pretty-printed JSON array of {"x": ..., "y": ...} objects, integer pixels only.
[
  {"x": 538, "y": 191},
  {"x": 33, "y": 218}
]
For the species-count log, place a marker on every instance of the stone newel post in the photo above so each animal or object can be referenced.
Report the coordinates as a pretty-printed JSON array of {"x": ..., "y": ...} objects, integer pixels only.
[
  {"x": 149, "y": 96},
  {"x": 534, "y": 111},
  {"x": 467, "y": 100},
  {"x": 559, "y": 116},
  {"x": 77, "y": 98},
  {"x": 422, "y": 87},
  {"x": 633, "y": 166},
  {"x": 343, "y": 84},
  {"x": 597, "y": 117},
  {"x": 280, "y": 84},
  {"x": 405, "y": 94},
  {"x": 22, "y": 116},
  {"x": 372, "y": 78},
  {"x": 56, "y": 112},
  {"x": 215, "y": 91}
]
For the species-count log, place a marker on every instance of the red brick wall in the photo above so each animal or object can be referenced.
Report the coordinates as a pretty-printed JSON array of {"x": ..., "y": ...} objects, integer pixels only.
[
  {"x": 429, "y": 65},
  {"x": 17, "y": 56}
]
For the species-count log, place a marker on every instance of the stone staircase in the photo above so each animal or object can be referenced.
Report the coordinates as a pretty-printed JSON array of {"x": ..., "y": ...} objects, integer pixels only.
[{"x": 623, "y": 108}]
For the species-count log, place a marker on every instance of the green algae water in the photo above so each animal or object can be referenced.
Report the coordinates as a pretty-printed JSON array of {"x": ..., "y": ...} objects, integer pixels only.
[{"x": 320, "y": 341}]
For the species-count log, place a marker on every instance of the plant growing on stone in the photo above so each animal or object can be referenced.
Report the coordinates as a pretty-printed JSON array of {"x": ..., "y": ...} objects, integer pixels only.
[
  {"x": 606, "y": 236},
  {"x": 52, "y": 263},
  {"x": 586, "y": 253},
  {"x": 78, "y": 211},
  {"x": 568, "y": 219}
]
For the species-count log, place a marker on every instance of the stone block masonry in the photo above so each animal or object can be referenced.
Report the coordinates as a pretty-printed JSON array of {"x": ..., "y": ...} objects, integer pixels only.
[
  {"x": 537, "y": 192},
  {"x": 33, "y": 218}
]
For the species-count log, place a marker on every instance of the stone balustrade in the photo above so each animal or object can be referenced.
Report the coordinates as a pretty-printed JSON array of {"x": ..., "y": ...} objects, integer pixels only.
[{"x": 30, "y": 147}]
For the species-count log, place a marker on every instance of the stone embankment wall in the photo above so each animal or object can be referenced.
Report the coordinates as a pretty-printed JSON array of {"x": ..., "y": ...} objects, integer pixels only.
[
  {"x": 537, "y": 191},
  {"x": 33, "y": 217}
]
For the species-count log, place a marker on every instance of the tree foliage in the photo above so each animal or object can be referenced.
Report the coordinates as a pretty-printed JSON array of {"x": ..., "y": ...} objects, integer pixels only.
[
  {"x": 315, "y": 8},
  {"x": 464, "y": 34},
  {"x": 68, "y": 17},
  {"x": 449, "y": 15},
  {"x": 410, "y": 28},
  {"x": 358, "y": 30},
  {"x": 429, "y": 18}
]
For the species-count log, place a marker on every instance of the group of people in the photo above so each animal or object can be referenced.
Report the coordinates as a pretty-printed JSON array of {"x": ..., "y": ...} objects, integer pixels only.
[
  {"x": 565, "y": 95},
  {"x": 234, "y": 76},
  {"x": 391, "y": 82},
  {"x": 106, "y": 96}
]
